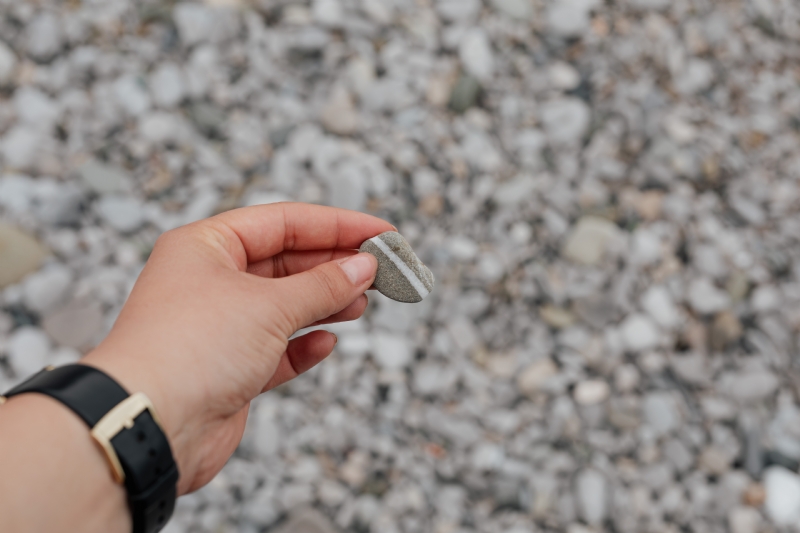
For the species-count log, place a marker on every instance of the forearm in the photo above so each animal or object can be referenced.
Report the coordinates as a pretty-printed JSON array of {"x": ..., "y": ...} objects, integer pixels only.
[{"x": 52, "y": 475}]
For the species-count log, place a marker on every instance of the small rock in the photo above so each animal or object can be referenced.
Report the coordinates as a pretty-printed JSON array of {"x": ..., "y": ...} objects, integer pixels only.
[
  {"x": 339, "y": 115},
  {"x": 705, "y": 298},
  {"x": 588, "y": 240},
  {"x": 749, "y": 385},
  {"x": 401, "y": 275},
  {"x": 328, "y": 13},
  {"x": 131, "y": 95},
  {"x": 591, "y": 392},
  {"x": 660, "y": 411},
  {"x": 45, "y": 289},
  {"x": 43, "y": 36},
  {"x": 658, "y": 303},
  {"x": 28, "y": 351},
  {"x": 639, "y": 333},
  {"x": 518, "y": 9},
  {"x": 20, "y": 254},
  {"x": 123, "y": 213},
  {"x": 306, "y": 520},
  {"x": 556, "y": 316},
  {"x": 714, "y": 460},
  {"x": 564, "y": 76},
  {"x": 569, "y": 18},
  {"x": 782, "y": 503},
  {"x": 532, "y": 379},
  {"x": 592, "y": 494},
  {"x": 765, "y": 298},
  {"x": 626, "y": 378},
  {"x": 392, "y": 351},
  {"x": 8, "y": 63},
  {"x": 465, "y": 93},
  {"x": 167, "y": 85},
  {"x": 744, "y": 520},
  {"x": 104, "y": 179},
  {"x": 194, "y": 22},
  {"x": 476, "y": 55},
  {"x": 76, "y": 324},
  {"x": 565, "y": 120},
  {"x": 725, "y": 330},
  {"x": 754, "y": 495}
]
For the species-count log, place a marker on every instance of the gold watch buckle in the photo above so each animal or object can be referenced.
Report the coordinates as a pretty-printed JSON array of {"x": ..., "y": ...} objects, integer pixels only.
[{"x": 122, "y": 416}]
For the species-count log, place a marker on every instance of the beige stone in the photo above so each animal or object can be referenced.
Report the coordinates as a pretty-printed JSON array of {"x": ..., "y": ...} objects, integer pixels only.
[{"x": 20, "y": 254}]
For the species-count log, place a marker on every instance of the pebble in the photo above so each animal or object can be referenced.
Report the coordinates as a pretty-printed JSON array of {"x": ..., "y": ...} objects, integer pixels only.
[
  {"x": 705, "y": 298},
  {"x": 749, "y": 385},
  {"x": 744, "y": 520},
  {"x": 465, "y": 94},
  {"x": 123, "y": 213},
  {"x": 475, "y": 52},
  {"x": 587, "y": 241},
  {"x": 661, "y": 413},
  {"x": 533, "y": 378},
  {"x": 101, "y": 178},
  {"x": 782, "y": 503},
  {"x": 8, "y": 64},
  {"x": 20, "y": 255},
  {"x": 401, "y": 275},
  {"x": 28, "y": 351},
  {"x": 517, "y": 9},
  {"x": 76, "y": 324},
  {"x": 43, "y": 36},
  {"x": 339, "y": 114},
  {"x": 167, "y": 85},
  {"x": 591, "y": 392},
  {"x": 565, "y": 120},
  {"x": 639, "y": 333},
  {"x": 592, "y": 494},
  {"x": 47, "y": 288},
  {"x": 658, "y": 303},
  {"x": 391, "y": 351}
]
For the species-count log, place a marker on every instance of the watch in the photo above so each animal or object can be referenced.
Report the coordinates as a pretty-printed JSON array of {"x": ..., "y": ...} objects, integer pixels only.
[{"x": 127, "y": 430}]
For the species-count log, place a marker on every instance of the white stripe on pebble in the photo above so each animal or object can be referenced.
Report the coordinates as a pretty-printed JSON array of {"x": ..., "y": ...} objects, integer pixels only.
[{"x": 407, "y": 272}]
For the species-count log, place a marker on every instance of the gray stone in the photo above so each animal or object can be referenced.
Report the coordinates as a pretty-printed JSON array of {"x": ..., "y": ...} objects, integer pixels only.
[
  {"x": 660, "y": 411},
  {"x": 43, "y": 36},
  {"x": 639, "y": 333},
  {"x": 20, "y": 254},
  {"x": 123, "y": 213},
  {"x": 588, "y": 240},
  {"x": 101, "y": 178},
  {"x": 565, "y": 120},
  {"x": 782, "y": 504},
  {"x": 518, "y": 9},
  {"x": 28, "y": 351},
  {"x": 748, "y": 385},
  {"x": 339, "y": 114},
  {"x": 392, "y": 351},
  {"x": 44, "y": 290},
  {"x": 475, "y": 52},
  {"x": 401, "y": 275},
  {"x": 77, "y": 324},
  {"x": 592, "y": 495},
  {"x": 705, "y": 298},
  {"x": 167, "y": 85},
  {"x": 8, "y": 64},
  {"x": 465, "y": 93}
]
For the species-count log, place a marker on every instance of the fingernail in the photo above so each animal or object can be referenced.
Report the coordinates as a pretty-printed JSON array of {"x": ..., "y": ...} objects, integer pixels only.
[
  {"x": 335, "y": 339},
  {"x": 359, "y": 268}
]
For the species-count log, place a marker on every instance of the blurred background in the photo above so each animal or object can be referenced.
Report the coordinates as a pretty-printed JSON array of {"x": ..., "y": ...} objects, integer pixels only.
[{"x": 607, "y": 192}]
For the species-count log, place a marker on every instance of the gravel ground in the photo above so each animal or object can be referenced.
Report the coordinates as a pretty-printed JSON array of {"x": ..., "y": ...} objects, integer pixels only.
[{"x": 607, "y": 194}]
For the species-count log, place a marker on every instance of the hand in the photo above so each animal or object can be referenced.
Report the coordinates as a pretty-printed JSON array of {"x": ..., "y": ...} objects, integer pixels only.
[{"x": 206, "y": 328}]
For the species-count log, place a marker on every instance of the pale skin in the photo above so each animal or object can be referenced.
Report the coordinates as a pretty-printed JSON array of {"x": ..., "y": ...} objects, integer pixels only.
[{"x": 205, "y": 330}]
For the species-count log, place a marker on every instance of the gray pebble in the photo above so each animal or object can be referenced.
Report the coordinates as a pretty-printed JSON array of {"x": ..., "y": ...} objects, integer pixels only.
[{"x": 401, "y": 275}]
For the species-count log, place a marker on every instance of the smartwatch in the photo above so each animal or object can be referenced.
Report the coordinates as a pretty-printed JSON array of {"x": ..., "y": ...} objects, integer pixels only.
[{"x": 126, "y": 429}]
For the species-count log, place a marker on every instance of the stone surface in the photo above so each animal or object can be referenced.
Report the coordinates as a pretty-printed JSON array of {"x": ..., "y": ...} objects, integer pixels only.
[
  {"x": 782, "y": 503},
  {"x": 401, "y": 275},
  {"x": 587, "y": 242},
  {"x": 20, "y": 254},
  {"x": 535, "y": 377}
]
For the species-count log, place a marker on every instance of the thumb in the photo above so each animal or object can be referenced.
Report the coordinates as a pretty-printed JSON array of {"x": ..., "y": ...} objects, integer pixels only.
[{"x": 324, "y": 290}]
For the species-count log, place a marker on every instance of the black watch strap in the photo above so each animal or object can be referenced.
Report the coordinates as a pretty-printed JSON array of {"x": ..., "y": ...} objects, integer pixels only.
[{"x": 126, "y": 428}]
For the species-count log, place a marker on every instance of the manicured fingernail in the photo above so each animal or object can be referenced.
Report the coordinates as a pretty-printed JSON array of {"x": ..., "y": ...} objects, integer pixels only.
[{"x": 358, "y": 268}]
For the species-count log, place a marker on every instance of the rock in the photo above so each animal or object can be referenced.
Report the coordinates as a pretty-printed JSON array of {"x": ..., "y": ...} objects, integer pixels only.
[
  {"x": 744, "y": 520},
  {"x": 339, "y": 115},
  {"x": 76, "y": 325},
  {"x": 8, "y": 64},
  {"x": 556, "y": 317},
  {"x": 58, "y": 204},
  {"x": 167, "y": 85},
  {"x": 475, "y": 52},
  {"x": 28, "y": 351},
  {"x": 658, "y": 303},
  {"x": 401, "y": 275},
  {"x": 564, "y": 76},
  {"x": 626, "y": 378},
  {"x": 465, "y": 93},
  {"x": 714, "y": 460},
  {"x": 754, "y": 495},
  {"x": 639, "y": 333},
  {"x": 569, "y": 18},
  {"x": 782, "y": 503},
  {"x": 44, "y": 290},
  {"x": 591, "y": 491},
  {"x": 20, "y": 254},
  {"x": 725, "y": 330},
  {"x": 123, "y": 213},
  {"x": 532, "y": 380},
  {"x": 587, "y": 242},
  {"x": 21, "y": 147},
  {"x": 765, "y": 298},
  {"x": 43, "y": 36},
  {"x": 306, "y": 520},
  {"x": 131, "y": 95},
  {"x": 591, "y": 392},
  {"x": 697, "y": 76},
  {"x": 749, "y": 385},
  {"x": 101, "y": 178},
  {"x": 705, "y": 298},
  {"x": 35, "y": 108},
  {"x": 518, "y": 9},
  {"x": 329, "y": 13},
  {"x": 565, "y": 120},
  {"x": 392, "y": 351},
  {"x": 194, "y": 22},
  {"x": 661, "y": 413}
]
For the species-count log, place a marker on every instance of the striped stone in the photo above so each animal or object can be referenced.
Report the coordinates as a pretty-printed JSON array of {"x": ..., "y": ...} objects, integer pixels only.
[{"x": 401, "y": 275}]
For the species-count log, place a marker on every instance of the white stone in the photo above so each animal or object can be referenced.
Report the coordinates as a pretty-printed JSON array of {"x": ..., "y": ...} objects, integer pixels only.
[
  {"x": 8, "y": 63},
  {"x": 458, "y": 10},
  {"x": 16, "y": 193},
  {"x": 391, "y": 351},
  {"x": 515, "y": 191},
  {"x": 45, "y": 289},
  {"x": 28, "y": 351},
  {"x": 21, "y": 146},
  {"x": 518, "y": 9},
  {"x": 487, "y": 456},
  {"x": 195, "y": 22},
  {"x": 131, "y": 95},
  {"x": 462, "y": 248},
  {"x": 744, "y": 520},
  {"x": 782, "y": 503},
  {"x": 569, "y": 18},
  {"x": 626, "y": 378},
  {"x": 35, "y": 108},
  {"x": 588, "y": 240},
  {"x": 639, "y": 333},
  {"x": 167, "y": 85},
  {"x": 591, "y": 391},
  {"x": 565, "y": 119},
  {"x": 698, "y": 75},
  {"x": 591, "y": 491},
  {"x": 328, "y": 13},
  {"x": 534, "y": 378},
  {"x": 339, "y": 114},
  {"x": 705, "y": 298},
  {"x": 749, "y": 385},
  {"x": 475, "y": 52},
  {"x": 661, "y": 412},
  {"x": 766, "y": 298},
  {"x": 123, "y": 213},
  {"x": 645, "y": 246},
  {"x": 43, "y": 36},
  {"x": 563, "y": 76},
  {"x": 658, "y": 303}
]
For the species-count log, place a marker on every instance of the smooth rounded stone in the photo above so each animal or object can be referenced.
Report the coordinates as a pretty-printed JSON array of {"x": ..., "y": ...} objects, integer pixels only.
[
  {"x": 748, "y": 385},
  {"x": 28, "y": 351},
  {"x": 45, "y": 289},
  {"x": 123, "y": 213},
  {"x": 744, "y": 520},
  {"x": 587, "y": 242},
  {"x": 131, "y": 95},
  {"x": 475, "y": 52},
  {"x": 167, "y": 85},
  {"x": 43, "y": 36},
  {"x": 658, "y": 303},
  {"x": 391, "y": 351},
  {"x": 705, "y": 298},
  {"x": 533, "y": 379},
  {"x": 639, "y": 333},
  {"x": 591, "y": 491},
  {"x": 465, "y": 93},
  {"x": 8, "y": 63},
  {"x": 20, "y": 254},
  {"x": 101, "y": 178},
  {"x": 564, "y": 76},
  {"x": 518, "y": 9},
  {"x": 76, "y": 324},
  {"x": 591, "y": 392},
  {"x": 569, "y": 18},
  {"x": 661, "y": 412},
  {"x": 566, "y": 119},
  {"x": 626, "y": 378},
  {"x": 339, "y": 114},
  {"x": 401, "y": 275},
  {"x": 782, "y": 503}
]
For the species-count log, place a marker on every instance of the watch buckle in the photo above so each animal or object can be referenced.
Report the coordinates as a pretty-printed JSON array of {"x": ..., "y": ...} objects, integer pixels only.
[{"x": 122, "y": 416}]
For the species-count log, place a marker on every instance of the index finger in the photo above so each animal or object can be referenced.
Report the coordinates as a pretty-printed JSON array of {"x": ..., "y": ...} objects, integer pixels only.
[{"x": 265, "y": 230}]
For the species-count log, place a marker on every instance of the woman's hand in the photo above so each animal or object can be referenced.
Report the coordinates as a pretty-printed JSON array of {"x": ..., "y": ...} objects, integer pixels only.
[{"x": 206, "y": 328}]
